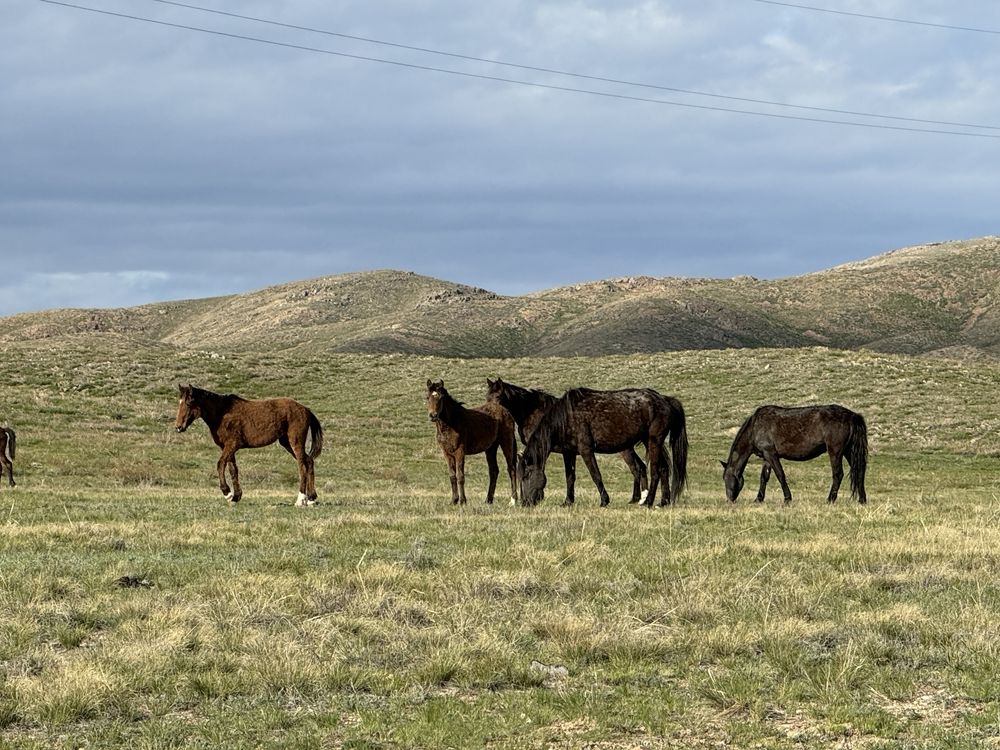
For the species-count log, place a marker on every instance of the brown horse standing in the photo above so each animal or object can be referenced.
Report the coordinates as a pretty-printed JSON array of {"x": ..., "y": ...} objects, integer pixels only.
[
  {"x": 799, "y": 433},
  {"x": 238, "y": 423},
  {"x": 462, "y": 432},
  {"x": 8, "y": 449}
]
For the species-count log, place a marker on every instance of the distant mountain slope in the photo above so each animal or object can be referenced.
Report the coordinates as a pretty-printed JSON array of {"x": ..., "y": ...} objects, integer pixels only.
[{"x": 941, "y": 297}]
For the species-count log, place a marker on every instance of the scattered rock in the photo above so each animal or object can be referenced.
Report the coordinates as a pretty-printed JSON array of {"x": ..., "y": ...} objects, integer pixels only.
[{"x": 133, "y": 582}]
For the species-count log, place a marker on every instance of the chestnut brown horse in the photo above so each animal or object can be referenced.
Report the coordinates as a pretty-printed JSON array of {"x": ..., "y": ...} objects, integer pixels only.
[
  {"x": 527, "y": 405},
  {"x": 799, "y": 433},
  {"x": 8, "y": 449},
  {"x": 462, "y": 432},
  {"x": 240, "y": 423}
]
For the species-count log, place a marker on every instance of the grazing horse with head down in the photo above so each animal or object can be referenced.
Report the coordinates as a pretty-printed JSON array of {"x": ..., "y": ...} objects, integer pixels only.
[
  {"x": 462, "y": 432},
  {"x": 585, "y": 422},
  {"x": 241, "y": 423},
  {"x": 527, "y": 405},
  {"x": 8, "y": 450},
  {"x": 799, "y": 433}
]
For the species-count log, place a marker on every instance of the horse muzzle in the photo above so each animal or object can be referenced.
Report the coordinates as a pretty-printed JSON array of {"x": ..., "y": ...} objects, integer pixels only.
[{"x": 181, "y": 428}]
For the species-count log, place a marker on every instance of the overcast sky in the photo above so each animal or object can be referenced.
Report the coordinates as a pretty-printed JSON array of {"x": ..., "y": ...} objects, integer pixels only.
[{"x": 141, "y": 162}]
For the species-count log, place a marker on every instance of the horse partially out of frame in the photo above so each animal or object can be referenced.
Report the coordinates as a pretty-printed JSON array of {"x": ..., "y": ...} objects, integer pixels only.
[
  {"x": 241, "y": 423},
  {"x": 799, "y": 433},
  {"x": 462, "y": 432},
  {"x": 527, "y": 405},
  {"x": 8, "y": 450}
]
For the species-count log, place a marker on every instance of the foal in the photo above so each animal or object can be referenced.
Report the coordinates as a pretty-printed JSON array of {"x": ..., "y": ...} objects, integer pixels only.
[
  {"x": 462, "y": 432},
  {"x": 238, "y": 423}
]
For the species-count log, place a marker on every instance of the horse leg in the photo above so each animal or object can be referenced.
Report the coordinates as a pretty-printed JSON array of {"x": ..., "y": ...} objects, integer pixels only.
[
  {"x": 494, "y": 469},
  {"x": 595, "y": 473},
  {"x": 654, "y": 457},
  {"x": 640, "y": 485},
  {"x": 234, "y": 472},
  {"x": 311, "y": 480},
  {"x": 664, "y": 470},
  {"x": 460, "y": 475},
  {"x": 765, "y": 474},
  {"x": 509, "y": 448},
  {"x": 221, "y": 468},
  {"x": 569, "y": 462},
  {"x": 771, "y": 457},
  {"x": 9, "y": 467},
  {"x": 453, "y": 474},
  {"x": 837, "y": 467}
]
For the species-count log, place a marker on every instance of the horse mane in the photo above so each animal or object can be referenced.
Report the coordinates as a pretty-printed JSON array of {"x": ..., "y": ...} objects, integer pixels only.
[
  {"x": 551, "y": 428},
  {"x": 521, "y": 399}
]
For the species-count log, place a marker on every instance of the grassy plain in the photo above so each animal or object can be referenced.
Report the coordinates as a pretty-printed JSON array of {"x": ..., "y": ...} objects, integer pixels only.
[{"x": 384, "y": 617}]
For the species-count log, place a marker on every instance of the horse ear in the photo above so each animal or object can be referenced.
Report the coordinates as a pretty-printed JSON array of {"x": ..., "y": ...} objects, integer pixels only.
[
  {"x": 429, "y": 384},
  {"x": 490, "y": 383},
  {"x": 724, "y": 464}
]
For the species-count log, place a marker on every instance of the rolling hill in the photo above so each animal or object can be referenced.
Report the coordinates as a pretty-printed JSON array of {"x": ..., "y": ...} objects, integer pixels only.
[{"x": 939, "y": 298}]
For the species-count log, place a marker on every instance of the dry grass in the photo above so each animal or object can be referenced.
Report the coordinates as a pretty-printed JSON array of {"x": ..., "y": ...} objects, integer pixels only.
[{"x": 386, "y": 618}]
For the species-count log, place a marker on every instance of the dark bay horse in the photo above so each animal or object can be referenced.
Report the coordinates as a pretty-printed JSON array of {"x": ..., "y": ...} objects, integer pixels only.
[
  {"x": 584, "y": 422},
  {"x": 240, "y": 423},
  {"x": 8, "y": 450},
  {"x": 527, "y": 405},
  {"x": 799, "y": 433},
  {"x": 462, "y": 432}
]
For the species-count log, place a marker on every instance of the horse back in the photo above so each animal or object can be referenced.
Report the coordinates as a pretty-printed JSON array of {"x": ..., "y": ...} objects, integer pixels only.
[
  {"x": 260, "y": 422},
  {"x": 616, "y": 420},
  {"x": 801, "y": 433}
]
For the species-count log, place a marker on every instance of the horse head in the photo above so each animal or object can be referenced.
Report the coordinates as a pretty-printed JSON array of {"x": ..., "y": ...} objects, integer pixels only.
[
  {"x": 188, "y": 409},
  {"x": 495, "y": 389},
  {"x": 531, "y": 479},
  {"x": 437, "y": 394},
  {"x": 733, "y": 480}
]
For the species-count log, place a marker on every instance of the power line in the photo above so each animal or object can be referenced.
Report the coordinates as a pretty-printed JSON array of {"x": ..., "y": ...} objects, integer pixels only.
[
  {"x": 514, "y": 81},
  {"x": 583, "y": 76},
  {"x": 868, "y": 16}
]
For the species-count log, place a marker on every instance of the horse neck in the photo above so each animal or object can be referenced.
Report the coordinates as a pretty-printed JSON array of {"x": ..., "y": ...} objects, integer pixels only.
[
  {"x": 528, "y": 407},
  {"x": 548, "y": 432},
  {"x": 452, "y": 413},
  {"x": 213, "y": 407},
  {"x": 742, "y": 447}
]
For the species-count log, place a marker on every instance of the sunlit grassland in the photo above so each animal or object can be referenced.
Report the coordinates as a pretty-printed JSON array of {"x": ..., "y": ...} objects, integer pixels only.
[{"x": 384, "y": 617}]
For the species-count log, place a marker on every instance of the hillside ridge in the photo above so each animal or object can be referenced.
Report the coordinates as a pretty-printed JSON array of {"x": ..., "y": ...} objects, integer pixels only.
[{"x": 933, "y": 298}]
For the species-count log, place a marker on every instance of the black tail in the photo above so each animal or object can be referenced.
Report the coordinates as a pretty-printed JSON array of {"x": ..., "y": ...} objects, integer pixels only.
[
  {"x": 316, "y": 431},
  {"x": 678, "y": 450},
  {"x": 857, "y": 456}
]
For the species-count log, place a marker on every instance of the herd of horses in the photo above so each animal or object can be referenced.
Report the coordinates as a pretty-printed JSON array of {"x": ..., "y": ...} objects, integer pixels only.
[{"x": 582, "y": 422}]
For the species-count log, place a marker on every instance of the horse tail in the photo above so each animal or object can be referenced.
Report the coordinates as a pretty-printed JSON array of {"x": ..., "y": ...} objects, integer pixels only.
[
  {"x": 11, "y": 448},
  {"x": 314, "y": 436},
  {"x": 678, "y": 449},
  {"x": 857, "y": 454}
]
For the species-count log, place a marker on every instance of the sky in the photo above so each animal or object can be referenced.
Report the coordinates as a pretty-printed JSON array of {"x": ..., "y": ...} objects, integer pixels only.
[{"x": 142, "y": 162}]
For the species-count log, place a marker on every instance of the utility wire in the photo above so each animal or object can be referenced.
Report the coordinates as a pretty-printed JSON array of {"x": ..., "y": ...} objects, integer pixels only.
[
  {"x": 909, "y": 21},
  {"x": 583, "y": 76},
  {"x": 533, "y": 84}
]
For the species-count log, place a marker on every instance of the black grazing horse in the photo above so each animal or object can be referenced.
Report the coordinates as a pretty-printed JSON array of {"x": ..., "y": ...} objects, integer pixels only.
[
  {"x": 527, "y": 405},
  {"x": 799, "y": 433},
  {"x": 586, "y": 422}
]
